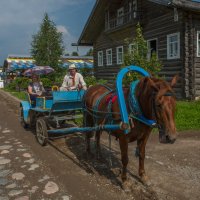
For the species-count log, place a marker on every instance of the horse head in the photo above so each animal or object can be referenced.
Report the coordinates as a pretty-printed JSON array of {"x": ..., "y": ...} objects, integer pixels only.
[{"x": 158, "y": 102}]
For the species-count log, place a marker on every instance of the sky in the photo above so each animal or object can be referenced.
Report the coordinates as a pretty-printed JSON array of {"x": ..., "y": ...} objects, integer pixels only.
[{"x": 21, "y": 19}]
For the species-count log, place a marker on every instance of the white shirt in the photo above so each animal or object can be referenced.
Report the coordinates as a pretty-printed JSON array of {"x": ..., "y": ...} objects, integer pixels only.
[
  {"x": 37, "y": 87},
  {"x": 71, "y": 84}
]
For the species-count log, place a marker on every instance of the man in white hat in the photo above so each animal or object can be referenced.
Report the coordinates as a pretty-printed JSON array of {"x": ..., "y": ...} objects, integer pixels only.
[{"x": 73, "y": 80}]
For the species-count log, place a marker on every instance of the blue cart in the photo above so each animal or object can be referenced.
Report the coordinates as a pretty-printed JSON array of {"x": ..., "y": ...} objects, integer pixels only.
[{"x": 50, "y": 114}]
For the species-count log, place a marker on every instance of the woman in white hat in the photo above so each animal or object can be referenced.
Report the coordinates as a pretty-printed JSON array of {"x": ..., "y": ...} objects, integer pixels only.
[{"x": 73, "y": 80}]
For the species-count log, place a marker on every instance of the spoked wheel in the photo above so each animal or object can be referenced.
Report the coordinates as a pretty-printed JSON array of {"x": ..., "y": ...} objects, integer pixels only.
[
  {"x": 23, "y": 123},
  {"x": 41, "y": 132}
]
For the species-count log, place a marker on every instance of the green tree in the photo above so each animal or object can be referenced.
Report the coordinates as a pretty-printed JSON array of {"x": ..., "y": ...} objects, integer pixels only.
[
  {"x": 90, "y": 52},
  {"x": 138, "y": 55},
  {"x": 74, "y": 53},
  {"x": 47, "y": 45}
]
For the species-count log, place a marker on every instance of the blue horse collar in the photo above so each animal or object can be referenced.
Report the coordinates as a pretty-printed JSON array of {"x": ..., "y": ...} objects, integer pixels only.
[{"x": 136, "y": 112}]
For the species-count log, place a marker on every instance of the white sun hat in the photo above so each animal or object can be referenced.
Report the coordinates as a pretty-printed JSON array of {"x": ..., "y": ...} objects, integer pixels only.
[{"x": 72, "y": 66}]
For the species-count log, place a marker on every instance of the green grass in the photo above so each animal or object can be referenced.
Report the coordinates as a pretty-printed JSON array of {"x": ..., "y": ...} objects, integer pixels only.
[
  {"x": 188, "y": 115},
  {"x": 20, "y": 95}
]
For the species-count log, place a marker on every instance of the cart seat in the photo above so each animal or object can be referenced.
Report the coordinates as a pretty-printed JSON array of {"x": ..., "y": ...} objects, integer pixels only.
[{"x": 28, "y": 98}]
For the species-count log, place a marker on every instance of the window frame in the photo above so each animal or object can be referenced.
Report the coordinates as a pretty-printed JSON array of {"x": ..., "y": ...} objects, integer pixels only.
[
  {"x": 134, "y": 2},
  {"x": 117, "y": 51},
  {"x": 178, "y": 46},
  {"x": 198, "y": 43},
  {"x": 130, "y": 49},
  {"x": 107, "y": 50},
  {"x": 120, "y": 18},
  {"x": 100, "y": 64},
  {"x": 148, "y": 42}
]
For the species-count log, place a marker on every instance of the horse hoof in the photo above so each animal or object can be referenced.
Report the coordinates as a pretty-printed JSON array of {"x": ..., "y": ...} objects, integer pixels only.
[
  {"x": 145, "y": 180},
  {"x": 126, "y": 186}
]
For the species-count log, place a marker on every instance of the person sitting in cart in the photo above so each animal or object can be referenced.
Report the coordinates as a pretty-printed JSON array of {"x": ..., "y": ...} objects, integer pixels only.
[
  {"x": 73, "y": 80},
  {"x": 35, "y": 88}
]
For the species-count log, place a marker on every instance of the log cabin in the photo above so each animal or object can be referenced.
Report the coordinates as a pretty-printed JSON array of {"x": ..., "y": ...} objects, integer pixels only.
[{"x": 170, "y": 27}]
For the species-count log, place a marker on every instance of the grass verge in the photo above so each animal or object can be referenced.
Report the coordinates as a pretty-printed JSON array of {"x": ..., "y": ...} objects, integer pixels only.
[
  {"x": 188, "y": 115},
  {"x": 20, "y": 95}
]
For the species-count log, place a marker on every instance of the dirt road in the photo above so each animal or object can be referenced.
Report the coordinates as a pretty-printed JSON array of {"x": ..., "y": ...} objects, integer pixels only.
[{"x": 61, "y": 170}]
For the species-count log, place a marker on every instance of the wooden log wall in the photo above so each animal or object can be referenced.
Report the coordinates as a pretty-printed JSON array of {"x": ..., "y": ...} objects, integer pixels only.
[
  {"x": 196, "y": 24},
  {"x": 157, "y": 22}
]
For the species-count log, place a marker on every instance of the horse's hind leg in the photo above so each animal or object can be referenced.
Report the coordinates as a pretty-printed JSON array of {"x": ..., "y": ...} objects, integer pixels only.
[{"x": 88, "y": 135}]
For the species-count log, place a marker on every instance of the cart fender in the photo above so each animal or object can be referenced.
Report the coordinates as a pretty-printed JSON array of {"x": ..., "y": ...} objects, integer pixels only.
[{"x": 26, "y": 107}]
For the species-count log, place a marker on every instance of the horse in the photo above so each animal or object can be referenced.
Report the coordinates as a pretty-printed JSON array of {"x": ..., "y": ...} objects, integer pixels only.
[{"x": 157, "y": 102}]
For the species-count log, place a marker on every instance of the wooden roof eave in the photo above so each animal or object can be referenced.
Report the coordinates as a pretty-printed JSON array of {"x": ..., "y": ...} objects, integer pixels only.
[
  {"x": 95, "y": 22},
  {"x": 187, "y": 5},
  {"x": 91, "y": 29}
]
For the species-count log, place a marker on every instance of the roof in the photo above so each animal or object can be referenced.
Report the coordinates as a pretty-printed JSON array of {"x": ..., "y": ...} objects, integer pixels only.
[
  {"x": 79, "y": 61},
  {"x": 21, "y": 62},
  {"x": 95, "y": 22},
  {"x": 161, "y": 2},
  {"x": 19, "y": 56},
  {"x": 193, "y": 5},
  {"x": 89, "y": 33}
]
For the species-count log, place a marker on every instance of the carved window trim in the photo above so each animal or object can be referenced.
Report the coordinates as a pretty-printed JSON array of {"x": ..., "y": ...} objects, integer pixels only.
[
  {"x": 108, "y": 57},
  {"x": 173, "y": 47},
  {"x": 120, "y": 55},
  {"x": 198, "y": 43},
  {"x": 100, "y": 58}
]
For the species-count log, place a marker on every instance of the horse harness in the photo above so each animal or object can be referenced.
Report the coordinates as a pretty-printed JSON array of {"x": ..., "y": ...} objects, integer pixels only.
[
  {"x": 107, "y": 115},
  {"x": 135, "y": 110}
]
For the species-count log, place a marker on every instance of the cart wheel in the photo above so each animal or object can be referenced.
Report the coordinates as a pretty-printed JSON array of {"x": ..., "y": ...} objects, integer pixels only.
[
  {"x": 41, "y": 132},
  {"x": 23, "y": 123}
]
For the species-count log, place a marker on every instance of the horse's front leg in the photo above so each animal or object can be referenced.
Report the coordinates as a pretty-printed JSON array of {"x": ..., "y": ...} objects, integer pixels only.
[
  {"x": 87, "y": 141},
  {"x": 123, "y": 142},
  {"x": 98, "y": 146},
  {"x": 141, "y": 145}
]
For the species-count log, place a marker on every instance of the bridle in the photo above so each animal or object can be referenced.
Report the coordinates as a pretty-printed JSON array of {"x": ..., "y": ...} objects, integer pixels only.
[{"x": 155, "y": 108}]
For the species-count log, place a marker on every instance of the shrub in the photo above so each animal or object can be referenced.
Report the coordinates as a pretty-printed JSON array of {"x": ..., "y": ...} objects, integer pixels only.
[
  {"x": 18, "y": 84},
  {"x": 138, "y": 56},
  {"x": 46, "y": 82},
  {"x": 91, "y": 80}
]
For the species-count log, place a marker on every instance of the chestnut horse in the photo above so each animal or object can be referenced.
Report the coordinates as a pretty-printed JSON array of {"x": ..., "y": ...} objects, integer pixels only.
[{"x": 157, "y": 102}]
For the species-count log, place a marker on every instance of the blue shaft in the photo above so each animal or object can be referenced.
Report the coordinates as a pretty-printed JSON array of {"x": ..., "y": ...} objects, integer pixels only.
[
  {"x": 120, "y": 94},
  {"x": 86, "y": 129}
]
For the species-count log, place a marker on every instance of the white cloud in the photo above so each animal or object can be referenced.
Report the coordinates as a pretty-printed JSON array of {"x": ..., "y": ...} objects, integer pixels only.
[{"x": 63, "y": 30}]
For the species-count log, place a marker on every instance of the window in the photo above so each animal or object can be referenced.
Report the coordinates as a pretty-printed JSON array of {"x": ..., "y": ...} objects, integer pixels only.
[
  {"x": 100, "y": 58},
  {"x": 120, "y": 55},
  {"x": 175, "y": 14},
  {"x": 173, "y": 46},
  {"x": 109, "y": 56},
  {"x": 134, "y": 8},
  {"x": 198, "y": 43},
  {"x": 152, "y": 47},
  {"x": 120, "y": 16},
  {"x": 131, "y": 49}
]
